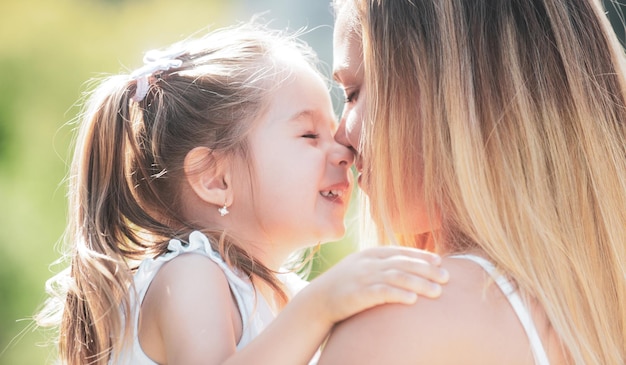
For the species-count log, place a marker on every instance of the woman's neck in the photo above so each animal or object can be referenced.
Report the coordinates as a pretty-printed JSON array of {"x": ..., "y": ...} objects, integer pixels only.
[{"x": 423, "y": 241}]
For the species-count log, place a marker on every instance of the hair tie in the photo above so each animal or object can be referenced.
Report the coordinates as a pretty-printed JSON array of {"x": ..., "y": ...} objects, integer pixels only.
[{"x": 154, "y": 61}]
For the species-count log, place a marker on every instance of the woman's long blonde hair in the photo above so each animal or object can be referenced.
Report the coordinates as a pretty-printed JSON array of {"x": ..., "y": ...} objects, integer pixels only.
[
  {"x": 511, "y": 117},
  {"x": 126, "y": 176}
]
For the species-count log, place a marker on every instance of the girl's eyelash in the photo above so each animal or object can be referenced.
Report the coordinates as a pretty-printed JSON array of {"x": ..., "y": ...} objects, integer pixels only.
[{"x": 311, "y": 135}]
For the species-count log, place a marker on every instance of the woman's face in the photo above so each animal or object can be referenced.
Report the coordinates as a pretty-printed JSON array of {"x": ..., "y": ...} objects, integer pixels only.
[{"x": 348, "y": 72}]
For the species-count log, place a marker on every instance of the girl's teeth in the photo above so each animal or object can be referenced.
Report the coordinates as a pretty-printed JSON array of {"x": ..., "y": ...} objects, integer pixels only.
[{"x": 332, "y": 193}]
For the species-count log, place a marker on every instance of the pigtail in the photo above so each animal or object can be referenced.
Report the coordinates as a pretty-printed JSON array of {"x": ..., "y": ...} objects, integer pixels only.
[{"x": 102, "y": 211}]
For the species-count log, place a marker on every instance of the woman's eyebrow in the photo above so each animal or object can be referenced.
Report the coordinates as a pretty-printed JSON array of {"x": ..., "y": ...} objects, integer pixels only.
[{"x": 337, "y": 73}]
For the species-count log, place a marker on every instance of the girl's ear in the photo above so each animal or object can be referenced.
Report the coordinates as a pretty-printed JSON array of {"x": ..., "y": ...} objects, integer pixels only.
[{"x": 209, "y": 176}]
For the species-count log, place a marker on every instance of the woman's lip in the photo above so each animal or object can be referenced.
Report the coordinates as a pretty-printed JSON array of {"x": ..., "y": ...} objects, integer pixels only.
[{"x": 358, "y": 164}]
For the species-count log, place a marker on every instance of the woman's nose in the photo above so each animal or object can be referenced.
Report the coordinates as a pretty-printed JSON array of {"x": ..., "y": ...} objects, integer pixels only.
[{"x": 341, "y": 136}]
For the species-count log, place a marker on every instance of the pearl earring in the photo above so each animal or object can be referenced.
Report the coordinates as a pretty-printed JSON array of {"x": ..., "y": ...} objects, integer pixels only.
[{"x": 223, "y": 210}]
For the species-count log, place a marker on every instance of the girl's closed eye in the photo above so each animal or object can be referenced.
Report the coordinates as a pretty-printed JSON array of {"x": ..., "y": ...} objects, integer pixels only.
[{"x": 311, "y": 135}]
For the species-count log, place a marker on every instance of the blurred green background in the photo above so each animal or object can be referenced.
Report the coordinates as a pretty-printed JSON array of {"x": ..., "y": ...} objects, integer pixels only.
[{"x": 48, "y": 50}]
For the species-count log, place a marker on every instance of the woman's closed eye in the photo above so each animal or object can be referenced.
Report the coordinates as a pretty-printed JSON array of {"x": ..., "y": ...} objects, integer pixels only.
[{"x": 351, "y": 96}]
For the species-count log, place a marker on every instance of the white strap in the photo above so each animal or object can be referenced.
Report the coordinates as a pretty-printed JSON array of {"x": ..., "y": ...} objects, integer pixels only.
[{"x": 541, "y": 358}]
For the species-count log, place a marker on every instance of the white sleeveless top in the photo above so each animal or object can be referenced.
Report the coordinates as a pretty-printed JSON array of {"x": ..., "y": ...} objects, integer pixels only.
[
  {"x": 254, "y": 310},
  {"x": 539, "y": 354}
]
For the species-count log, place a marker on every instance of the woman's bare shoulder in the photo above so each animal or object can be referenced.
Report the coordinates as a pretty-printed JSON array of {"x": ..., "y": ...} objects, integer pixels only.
[{"x": 441, "y": 331}]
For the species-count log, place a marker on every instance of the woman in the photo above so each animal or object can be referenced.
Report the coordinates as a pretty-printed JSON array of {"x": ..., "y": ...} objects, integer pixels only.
[{"x": 491, "y": 131}]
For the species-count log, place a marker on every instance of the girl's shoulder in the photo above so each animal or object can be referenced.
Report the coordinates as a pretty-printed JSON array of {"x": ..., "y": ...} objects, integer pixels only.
[
  {"x": 187, "y": 270},
  {"x": 471, "y": 315},
  {"x": 190, "y": 292},
  {"x": 185, "y": 278},
  {"x": 198, "y": 245}
]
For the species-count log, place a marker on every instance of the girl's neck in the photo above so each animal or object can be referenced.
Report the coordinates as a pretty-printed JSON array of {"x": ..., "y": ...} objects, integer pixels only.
[
  {"x": 268, "y": 255},
  {"x": 273, "y": 255}
]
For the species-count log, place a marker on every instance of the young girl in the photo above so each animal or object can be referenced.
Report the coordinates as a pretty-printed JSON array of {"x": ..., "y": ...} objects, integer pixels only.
[{"x": 211, "y": 165}]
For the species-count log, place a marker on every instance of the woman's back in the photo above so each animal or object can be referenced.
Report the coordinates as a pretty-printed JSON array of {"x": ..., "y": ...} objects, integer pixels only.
[{"x": 471, "y": 323}]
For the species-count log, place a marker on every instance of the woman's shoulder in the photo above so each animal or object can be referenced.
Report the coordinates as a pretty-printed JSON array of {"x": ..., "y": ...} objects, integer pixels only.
[{"x": 470, "y": 314}]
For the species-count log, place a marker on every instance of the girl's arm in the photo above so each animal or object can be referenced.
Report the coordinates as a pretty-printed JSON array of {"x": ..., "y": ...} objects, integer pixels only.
[
  {"x": 361, "y": 281},
  {"x": 189, "y": 316}
]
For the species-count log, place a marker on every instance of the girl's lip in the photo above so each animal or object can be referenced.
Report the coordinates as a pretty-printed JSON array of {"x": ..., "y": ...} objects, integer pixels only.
[{"x": 343, "y": 187}]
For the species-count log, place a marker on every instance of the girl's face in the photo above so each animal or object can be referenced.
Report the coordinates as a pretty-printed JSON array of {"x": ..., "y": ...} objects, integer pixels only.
[{"x": 302, "y": 183}]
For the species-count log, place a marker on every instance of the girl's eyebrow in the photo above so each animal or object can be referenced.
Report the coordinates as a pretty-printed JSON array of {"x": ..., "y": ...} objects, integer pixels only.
[
  {"x": 304, "y": 114},
  {"x": 310, "y": 115}
]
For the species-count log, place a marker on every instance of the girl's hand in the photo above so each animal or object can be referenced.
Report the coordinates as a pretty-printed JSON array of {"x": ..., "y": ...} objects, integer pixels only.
[
  {"x": 376, "y": 276},
  {"x": 360, "y": 281}
]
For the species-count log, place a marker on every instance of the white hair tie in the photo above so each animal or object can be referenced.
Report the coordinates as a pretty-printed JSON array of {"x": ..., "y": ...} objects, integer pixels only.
[{"x": 154, "y": 61}]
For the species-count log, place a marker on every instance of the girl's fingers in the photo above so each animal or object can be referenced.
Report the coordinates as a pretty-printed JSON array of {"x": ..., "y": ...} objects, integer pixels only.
[
  {"x": 385, "y": 294},
  {"x": 411, "y": 283},
  {"x": 413, "y": 266}
]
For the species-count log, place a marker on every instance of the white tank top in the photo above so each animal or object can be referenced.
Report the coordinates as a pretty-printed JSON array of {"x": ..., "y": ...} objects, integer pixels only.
[
  {"x": 254, "y": 310},
  {"x": 520, "y": 309}
]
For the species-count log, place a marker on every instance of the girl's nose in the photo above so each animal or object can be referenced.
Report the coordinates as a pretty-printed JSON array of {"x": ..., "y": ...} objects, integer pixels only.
[{"x": 342, "y": 155}]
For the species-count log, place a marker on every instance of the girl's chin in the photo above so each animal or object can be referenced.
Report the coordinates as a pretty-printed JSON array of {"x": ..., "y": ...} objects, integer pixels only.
[{"x": 337, "y": 234}]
